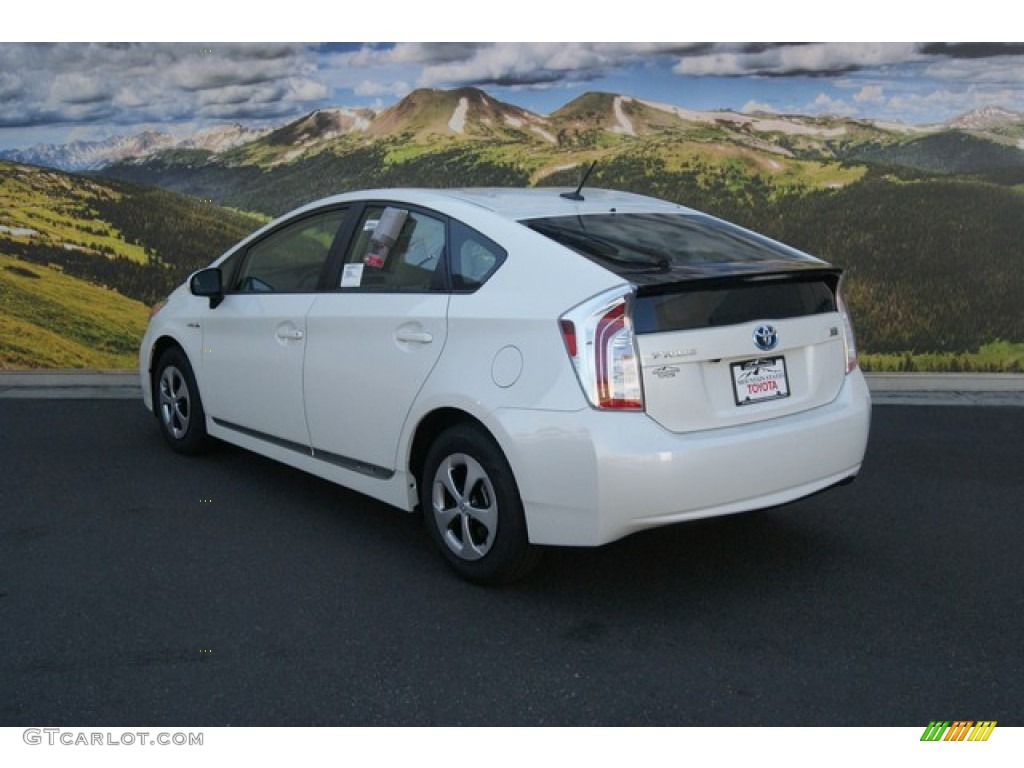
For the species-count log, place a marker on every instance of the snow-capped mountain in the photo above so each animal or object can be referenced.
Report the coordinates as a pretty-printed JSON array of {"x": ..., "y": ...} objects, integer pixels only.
[
  {"x": 321, "y": 125},
  {"x": 468, "y": 115},
  {"x": 987, "y": 119},
  {"x": 219, "y": 138},
  {"x": 93, "y": 155},
  {"x": 463, "y": 112}
]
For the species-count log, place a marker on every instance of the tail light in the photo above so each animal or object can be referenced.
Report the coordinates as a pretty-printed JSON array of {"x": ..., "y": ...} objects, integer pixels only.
[
  {"x": 598, "y": 337},
  {"x": 848, "y": 340}
]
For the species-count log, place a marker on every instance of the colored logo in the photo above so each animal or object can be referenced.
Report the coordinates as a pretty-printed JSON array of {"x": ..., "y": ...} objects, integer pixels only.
[
  {"x": 958, "y": 730},
  {"x": 766, "y": 337}
]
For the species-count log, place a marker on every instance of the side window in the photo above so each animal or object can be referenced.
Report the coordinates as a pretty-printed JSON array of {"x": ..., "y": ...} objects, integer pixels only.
[
  {"x": 291, "y": 259},
  {"x": 474, "y": 258},
  {"x": 396, "y": 249}
]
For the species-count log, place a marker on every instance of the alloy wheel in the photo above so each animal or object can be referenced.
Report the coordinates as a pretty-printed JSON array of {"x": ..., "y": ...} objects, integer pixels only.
[
  {"x": 465, "y": 506},
  {"x": 175, "y": 402}
]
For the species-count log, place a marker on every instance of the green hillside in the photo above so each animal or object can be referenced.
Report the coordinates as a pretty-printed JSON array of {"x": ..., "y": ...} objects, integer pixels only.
[
  {"x": 51, "y": 320},
  {"x": 953, "y": 152},
  {"x": 933, "y": 264},
  {"x": 81, "y": 259},
  {"x": 54, "y": 209},
  {"x": 347, "y": 164}
]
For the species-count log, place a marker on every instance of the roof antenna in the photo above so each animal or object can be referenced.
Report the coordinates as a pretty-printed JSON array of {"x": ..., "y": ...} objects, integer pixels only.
[{"x": 576, "y": 195}]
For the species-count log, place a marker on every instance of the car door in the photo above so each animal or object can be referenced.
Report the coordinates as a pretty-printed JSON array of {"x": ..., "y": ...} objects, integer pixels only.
[
  {"x": 374, "y": 339},
  {"x": 254, "y": 342}
]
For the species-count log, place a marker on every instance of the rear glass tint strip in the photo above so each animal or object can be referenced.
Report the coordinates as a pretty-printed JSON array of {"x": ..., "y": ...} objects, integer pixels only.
[{"x": 693, "y": 306}]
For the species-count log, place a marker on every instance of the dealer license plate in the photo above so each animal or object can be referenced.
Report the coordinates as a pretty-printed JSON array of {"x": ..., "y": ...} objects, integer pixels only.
[{"x": 755, "y": 381}]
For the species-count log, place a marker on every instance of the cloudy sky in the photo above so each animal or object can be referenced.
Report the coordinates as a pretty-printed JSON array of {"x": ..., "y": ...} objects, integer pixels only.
[{"x": 54, "y": 93}]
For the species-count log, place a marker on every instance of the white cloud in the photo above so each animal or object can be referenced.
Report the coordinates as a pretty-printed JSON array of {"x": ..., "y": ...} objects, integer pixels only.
[
  {"x": 239, "y": 65},
  {"x": 376, "y": 88},
  {"x": 78, "y": 88},
  {"x": 132, "y": 84},
  {"x": 948, "y": 102},
  {"x": 411, "y": 54},
  {"x": 303, "y": 89},
  {"x": 814, "y": 59},
  {"x": 10, "y": 86},
  {"x": 446, "y": 64},
  {"x": 870, "y": 94},
  {"x": 824, "y": 104},
  {"x": 1007, "y": 70},
  {"x": 758, "y": 106}
]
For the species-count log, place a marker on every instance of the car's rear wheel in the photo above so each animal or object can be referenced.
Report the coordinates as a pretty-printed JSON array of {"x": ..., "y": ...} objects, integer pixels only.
[
  {"x": 176, "y": 401},
  {"x": 471, "y": 507}
]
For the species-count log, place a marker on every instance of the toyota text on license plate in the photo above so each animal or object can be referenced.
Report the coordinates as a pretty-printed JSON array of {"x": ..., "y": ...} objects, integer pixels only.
[{"x": 755, "y": 381}]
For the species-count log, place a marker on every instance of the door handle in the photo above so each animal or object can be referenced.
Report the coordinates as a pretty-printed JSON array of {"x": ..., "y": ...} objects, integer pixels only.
[
  {"x": 290, "y": 333},
  {"x": 413, "y": 337}
]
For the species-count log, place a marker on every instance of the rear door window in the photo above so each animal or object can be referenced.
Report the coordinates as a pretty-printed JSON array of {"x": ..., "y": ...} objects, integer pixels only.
[{"x": 396, "y": 249}]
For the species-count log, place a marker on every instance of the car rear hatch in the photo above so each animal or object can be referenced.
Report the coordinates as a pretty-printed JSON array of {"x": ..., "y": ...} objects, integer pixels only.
[
  {"x": 727, "y": 327},
  {"x": 741, "y": 349}
]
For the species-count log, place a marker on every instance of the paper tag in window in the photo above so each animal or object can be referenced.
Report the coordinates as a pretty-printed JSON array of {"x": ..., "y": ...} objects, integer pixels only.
[{"x": 352, "y": 276}]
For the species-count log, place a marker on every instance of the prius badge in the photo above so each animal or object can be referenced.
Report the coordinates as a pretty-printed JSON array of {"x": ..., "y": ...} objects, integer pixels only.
[{"x": 766, "y": 337}]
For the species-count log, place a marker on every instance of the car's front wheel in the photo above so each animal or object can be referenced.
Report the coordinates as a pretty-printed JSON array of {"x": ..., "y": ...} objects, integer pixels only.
[
  {"x": 471, "y": 507},
  {"x": 177, "y": 404}
]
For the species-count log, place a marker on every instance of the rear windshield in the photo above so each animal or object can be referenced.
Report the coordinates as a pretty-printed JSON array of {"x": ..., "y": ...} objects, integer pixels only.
[{"x": 631, "y": 243}]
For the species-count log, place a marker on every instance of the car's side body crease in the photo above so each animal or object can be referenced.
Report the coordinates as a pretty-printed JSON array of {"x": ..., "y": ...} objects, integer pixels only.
[{"x": 344, "y": 462}]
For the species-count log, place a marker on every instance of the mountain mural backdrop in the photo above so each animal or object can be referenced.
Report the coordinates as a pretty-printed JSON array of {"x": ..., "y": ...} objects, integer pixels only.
[{"x": 928, "y": 221}]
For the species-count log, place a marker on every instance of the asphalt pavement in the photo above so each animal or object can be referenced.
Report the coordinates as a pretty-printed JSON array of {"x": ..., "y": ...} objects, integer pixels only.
[{"x": 141, "y": 587}]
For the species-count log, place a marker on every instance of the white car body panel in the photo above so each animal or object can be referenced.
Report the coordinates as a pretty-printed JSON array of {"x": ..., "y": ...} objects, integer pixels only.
[
  {"x": 178, "y": 323},
  {"x": 392, "y": 490},
  {"x": 251, "y": 363},
  {"x": 589, "y": 478},
  {"x": 367, "y": 356},
  {"x": 695, "y": 392}
]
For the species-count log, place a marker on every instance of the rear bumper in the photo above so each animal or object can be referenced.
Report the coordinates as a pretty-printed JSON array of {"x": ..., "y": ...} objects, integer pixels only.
[{"x": 590, "y": 477}]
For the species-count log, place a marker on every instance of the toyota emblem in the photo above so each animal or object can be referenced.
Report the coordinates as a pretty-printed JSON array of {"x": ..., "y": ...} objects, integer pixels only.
[{"x": 766, "y": 337}]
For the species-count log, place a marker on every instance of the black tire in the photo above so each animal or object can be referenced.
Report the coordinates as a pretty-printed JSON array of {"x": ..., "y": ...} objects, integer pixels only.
[
  {"x": 177, "y": 405},
  {"x": 472, "y": 509}
]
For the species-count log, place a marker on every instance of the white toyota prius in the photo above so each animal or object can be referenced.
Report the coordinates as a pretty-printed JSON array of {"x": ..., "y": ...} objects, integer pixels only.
[{"x": 528, "y": 367}]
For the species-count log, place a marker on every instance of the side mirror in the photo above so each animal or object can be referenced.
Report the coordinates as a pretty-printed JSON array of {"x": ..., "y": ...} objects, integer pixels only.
[{"x": 207, "y": 282}]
